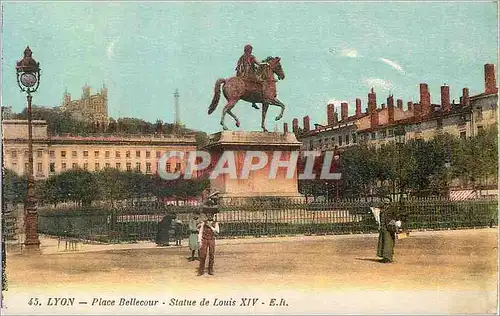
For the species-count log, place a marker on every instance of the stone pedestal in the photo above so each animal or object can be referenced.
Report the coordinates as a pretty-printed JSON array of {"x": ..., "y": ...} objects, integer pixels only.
[{"x": 258, "y": 183}]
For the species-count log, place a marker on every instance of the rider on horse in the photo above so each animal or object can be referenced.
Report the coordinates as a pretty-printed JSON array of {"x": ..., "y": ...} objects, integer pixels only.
[{"x": 246, "y": 67}]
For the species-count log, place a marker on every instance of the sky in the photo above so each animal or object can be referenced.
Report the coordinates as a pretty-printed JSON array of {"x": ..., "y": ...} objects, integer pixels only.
[{"x": 330, "y": 52}]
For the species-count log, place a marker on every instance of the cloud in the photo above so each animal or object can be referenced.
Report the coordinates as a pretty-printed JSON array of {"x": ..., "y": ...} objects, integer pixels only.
[
  {"x": 393, "y": 64},
  {"x": 378, "y": 84},
  {"x": 336, "y": 102},
  {"x": 349, "y": 52},
  {"x": 110, "y": 50}
]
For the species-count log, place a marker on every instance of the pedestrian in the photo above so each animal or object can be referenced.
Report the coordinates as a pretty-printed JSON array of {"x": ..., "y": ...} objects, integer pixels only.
[
  {"x": 209, "y": 228},
  {"x": 388, "y": 228},
  {"x": 163, "y": 233},
  {"x": 194, "y": 245},
  {"x": 178, "y": 232}
]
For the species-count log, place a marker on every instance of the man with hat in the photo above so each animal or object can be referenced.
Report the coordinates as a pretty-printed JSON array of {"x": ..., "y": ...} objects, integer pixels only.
[
  {"x": 209, "y": 228},
  {"x": 194, "y": 245}
]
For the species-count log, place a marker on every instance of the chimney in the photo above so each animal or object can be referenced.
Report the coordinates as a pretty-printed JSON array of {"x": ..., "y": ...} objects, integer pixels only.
[
  {"x": 372, "y": 108},
  {"x": 285, "y": 128},
  {"x": 417, "y": 110},
  {"x": 410, "y": 105},
  {"x": 390, "y": 108},
  {"x": 358, "y": 107},
  {"x": 400, "y": 104},
  {"x": 306, "y": 122},
  {"x": 343, "y": 111},
  {"x": 372, "y": 101},
  {"x": 335, "y": 118},
  {"x": 490, "y": 85},
  {"x": 295, "y": 125},
  {"x": 425, "y": 100},
  {"x": 465, "y": 97},
  {"x": 445, "y": 99},
  {"x": 330, "y": 110}
]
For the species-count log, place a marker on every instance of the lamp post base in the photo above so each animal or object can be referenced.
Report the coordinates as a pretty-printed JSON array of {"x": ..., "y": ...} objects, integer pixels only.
[{"x": 32, "y": 247}]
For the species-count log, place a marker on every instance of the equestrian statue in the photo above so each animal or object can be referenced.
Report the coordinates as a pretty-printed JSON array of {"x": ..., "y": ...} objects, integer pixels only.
[{"x": 254, "y": 83}]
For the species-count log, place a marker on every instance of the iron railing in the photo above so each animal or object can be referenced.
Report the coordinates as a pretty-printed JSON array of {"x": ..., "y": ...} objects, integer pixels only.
[{"x": 265, "y": 218}]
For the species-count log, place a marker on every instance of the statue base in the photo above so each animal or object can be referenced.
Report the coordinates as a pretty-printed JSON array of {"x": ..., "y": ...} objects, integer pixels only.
[{"x": 257, "y": 185}]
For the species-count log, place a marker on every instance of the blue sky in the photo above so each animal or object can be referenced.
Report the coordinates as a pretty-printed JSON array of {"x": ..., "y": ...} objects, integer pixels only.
[{"x": 329, "y": 51}]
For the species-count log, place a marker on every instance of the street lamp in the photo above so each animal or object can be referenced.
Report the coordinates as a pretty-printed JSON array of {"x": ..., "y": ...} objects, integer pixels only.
[
  {"x": 28, "y": 79},
  {"x": 400, "y": 135}
]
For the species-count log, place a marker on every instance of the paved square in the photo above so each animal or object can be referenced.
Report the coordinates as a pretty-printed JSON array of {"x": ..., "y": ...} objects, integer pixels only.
[{"x": 434, "y": 272}]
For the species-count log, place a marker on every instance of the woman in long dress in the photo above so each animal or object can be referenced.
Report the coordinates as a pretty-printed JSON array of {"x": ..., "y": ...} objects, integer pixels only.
[{"x": 194, "y": 245}]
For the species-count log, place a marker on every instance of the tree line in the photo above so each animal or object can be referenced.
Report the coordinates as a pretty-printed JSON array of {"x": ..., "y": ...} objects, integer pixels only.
[
  {"x": 417, "y": 167},
  {"x": 60, "y": 123},
  {"x": 109, "y": 185}
]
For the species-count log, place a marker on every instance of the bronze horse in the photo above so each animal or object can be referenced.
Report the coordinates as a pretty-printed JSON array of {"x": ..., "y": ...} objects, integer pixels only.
[{"x": 250, "y": 90}]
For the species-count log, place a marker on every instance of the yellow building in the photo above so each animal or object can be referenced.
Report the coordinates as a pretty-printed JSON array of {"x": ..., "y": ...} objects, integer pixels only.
[
  {"x": 423, "y": 120},
  {"x": 54, "y": 154}
]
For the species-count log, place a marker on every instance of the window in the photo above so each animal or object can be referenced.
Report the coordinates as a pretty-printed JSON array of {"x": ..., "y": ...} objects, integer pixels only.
[
  {"x": 74, "y": 166},
  {"x": 74, "y": 154},
  {"x": 480, "y": 129},
  {"x": 63, "y": 166},
  {"x": 52, "y": 167},
  {"x": 39, "y": 167},
  {"x": 129, "y": 166},
  {"x": 108, "y": 165},
  {"x": 138, "y": 166},
  {"x": 63, "y": 153},
  {"x": 97, "y": 166},
  {"x": 347, "y": 139},
  {"x": 14, "y": 166},
  {"x": 118, "y": 165},
  {"x": 439, "y": 123},
  {"x": 374, "y": 136},
  {"x": 39, "y": 153},
  {"x": 85, "y": 153},
  {"x": 127, "y": 154},
  {"x": 137, "y": 153},
  {"x": 96, "y": 153},
  {"x": 320, "y": 143},
  {"x": 106, "y": 154},
  {"x": 148, "y": 167},
  {"x": 117, "y": 154},
  {"x": 85, "y": 166},
  {"x": 479, "y": 112},
  {"x": 158, "y": 154},
  {"x": 463, "y": 135},
  {"x": 26, "y": 154},
  {"x": 354, "y": 138},
  {"x": 14, "y": 154},
  {"x": 168, "y": 167},
  {"x": 148, "y": 154},
  {"x": 340, "y": 140},
  {"x": 382, "y": 134},
  {"x": 26, "y": 167},
  {"x": 333, "y": 141},
  {"x": 390, "y": 132},
  {"x": 52, "y": 154},
  {"x": 178, "y": 166},
  {"x": 310, "y": 145}
]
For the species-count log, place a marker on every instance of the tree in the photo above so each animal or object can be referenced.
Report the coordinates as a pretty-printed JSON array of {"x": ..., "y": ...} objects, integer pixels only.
[
  {"x": 76, "y": 185},
  {"x": 14, "y": 187}
]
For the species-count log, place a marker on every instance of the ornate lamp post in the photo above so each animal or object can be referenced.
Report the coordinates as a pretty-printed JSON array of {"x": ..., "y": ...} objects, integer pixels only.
[
  {"x": 28, "y": 79},
  {"x": 400, "y": 134}
]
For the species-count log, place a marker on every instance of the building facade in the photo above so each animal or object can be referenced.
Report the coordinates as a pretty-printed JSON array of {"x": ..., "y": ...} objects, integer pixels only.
[
  {"x": 55, "y": 154},
  {"x": 91, "y": 108},
  {"x": 423, "y": 120}
]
